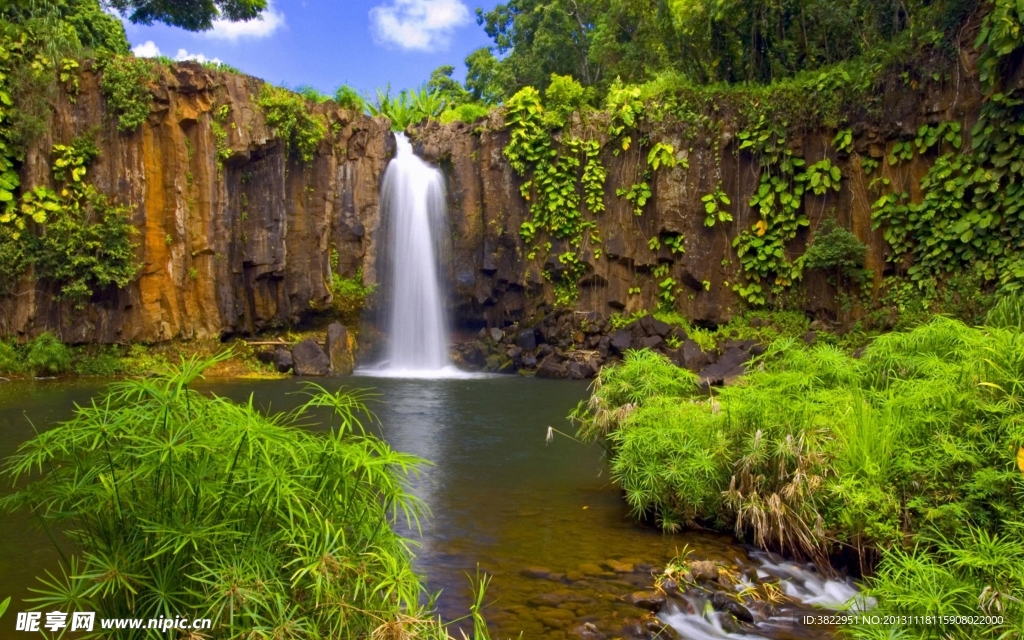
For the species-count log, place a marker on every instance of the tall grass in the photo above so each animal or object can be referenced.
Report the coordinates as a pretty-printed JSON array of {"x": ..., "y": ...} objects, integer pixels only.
[
  {"x": 180, "y": 502},
  {"x": 905, "y": 457}
]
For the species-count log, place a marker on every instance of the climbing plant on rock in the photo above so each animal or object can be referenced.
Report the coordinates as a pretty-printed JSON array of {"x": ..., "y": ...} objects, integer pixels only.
[
  {"x": 971, "y": 213},
  {"x": 563, "y": 179},
  {"x": 72, "y": 236}
]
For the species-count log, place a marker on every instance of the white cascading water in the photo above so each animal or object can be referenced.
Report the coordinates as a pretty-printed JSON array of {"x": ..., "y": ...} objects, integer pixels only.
[{"x": 413, "y": 201}]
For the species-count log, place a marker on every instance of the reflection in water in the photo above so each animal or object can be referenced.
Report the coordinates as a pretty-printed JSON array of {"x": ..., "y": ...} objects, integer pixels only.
[{"x": 544, "y": 519}]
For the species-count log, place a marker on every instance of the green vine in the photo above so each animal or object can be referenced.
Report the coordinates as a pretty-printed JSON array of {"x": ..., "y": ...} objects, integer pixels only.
[
  {"x": 72, "y": 236},
  {"x": 564, "y": 178},
  {"x": 714, "y": 206}
]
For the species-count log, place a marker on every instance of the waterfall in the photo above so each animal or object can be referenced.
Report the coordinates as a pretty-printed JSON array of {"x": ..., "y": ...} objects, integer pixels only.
[{"x": 415, "y": 222}]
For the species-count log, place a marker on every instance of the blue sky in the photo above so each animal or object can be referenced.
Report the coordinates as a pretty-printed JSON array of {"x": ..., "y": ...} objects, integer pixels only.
[{"x": 324, "y": 43}]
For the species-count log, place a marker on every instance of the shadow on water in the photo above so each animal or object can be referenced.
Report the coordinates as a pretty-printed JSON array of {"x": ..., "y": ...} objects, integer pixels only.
[{"x": 543, "y": 518}]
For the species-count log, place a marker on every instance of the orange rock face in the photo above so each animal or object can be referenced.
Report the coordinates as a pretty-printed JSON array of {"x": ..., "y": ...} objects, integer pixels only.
[{"x": 230, "y": 246}]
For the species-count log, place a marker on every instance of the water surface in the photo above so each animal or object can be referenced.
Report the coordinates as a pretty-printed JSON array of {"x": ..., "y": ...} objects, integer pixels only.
[{"x": 542, "y": 518}]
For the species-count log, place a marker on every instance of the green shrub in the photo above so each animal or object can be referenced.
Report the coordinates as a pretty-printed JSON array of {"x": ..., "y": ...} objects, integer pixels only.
[
  {"x": 905, "y": 456},
  {"x": 349, "y": 98},
  {"x": 289, "y": 115},
  {"x": 102, "y": 361},
  {"x": 176, "y": 500},
  {"x": 47, "y": 355},
  {"x": 125, "y": 83},
  {"x": 467, "y": 113},
  {"x": 1007, "y": 313},
  {"x": 11, "y": 358},
  {"x": 840, "y": 254},
  {"x": 350, "y": 296}
]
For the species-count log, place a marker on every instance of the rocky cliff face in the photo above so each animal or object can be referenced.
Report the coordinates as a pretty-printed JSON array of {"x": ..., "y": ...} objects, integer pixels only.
[
  {"x": 243, "y": 245},
  {"x": 225, "y": 247},
  {"x": 496, "y": 284}
]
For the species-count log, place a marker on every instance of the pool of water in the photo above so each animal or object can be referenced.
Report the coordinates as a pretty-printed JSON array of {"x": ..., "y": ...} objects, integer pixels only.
[{"x": 542, "y": 517}]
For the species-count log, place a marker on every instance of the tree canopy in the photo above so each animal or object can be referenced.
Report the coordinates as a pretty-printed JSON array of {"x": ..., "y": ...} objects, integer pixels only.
[{"x": 193, "y": 15}]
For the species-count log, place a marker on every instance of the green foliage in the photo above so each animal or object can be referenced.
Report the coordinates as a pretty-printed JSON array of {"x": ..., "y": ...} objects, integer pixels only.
[
  {"x": 12, "y": 360},
  {"x": 444, "y": 87},
  {"x": 189, "y": 16},
  {"x": 125, "y": 84},
  {"x": 349, "y": 98},
  {"x": 821, "y": 177},
  {"x": 1007, "y": 313},
  {"x": 289, "y": 115},
  {"x": 714, "y": 207},
  {"x": 905, "y": 456},
  {"x": 840, "y": 253},
  {"x": 350, "y": 296},
  {"x": 563, "y": 177},
  {"x": 409, "y": 107},
  {"x": 487, "y": 80},
  {"x": 312, "y": 94},
  {"x": 562, "y": 97},
  {"x": 178, "y": 500},
  {"x": 467, "y": 113},
  {"x": 82, "y": 242},
  {"x": 47, "y": 355}
]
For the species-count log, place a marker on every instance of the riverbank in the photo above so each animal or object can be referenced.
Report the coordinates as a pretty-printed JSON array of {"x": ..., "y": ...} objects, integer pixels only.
[{"x": 899, "y": 462}]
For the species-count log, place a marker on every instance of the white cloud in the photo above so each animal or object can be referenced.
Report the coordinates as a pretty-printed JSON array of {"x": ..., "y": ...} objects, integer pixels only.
[
  {"x": 268, "y": 22},
  {"x": 424, "y": 25},
  {"x": 147, "y": 49},
  {"x": 198, "y": 57}
]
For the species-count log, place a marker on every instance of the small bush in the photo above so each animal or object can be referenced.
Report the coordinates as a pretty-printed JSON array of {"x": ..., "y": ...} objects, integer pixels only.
[
  {"x": 11, "y": 358},
  {"x": 468, "y": 113},
  {"x": 125, "y": 83},
  {"x": 349, "y": 98},
  {"x": 350, "y": 297},
  {"x": 288, "y": 114},
  {"x": 47, "y": 355}
]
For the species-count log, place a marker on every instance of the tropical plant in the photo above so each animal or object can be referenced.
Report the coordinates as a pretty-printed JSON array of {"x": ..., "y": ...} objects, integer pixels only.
[{"x": 180, "y": 501}]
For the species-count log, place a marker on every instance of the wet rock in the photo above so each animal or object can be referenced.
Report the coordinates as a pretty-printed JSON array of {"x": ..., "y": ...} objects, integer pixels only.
[
  {"x": 552, "y": 367},
  {"x": 669, "y": 585},
  {"x": 691, "y": 356},
  {"x": 496, "y": 334},
  {"x": 527, "y": 340},
  {"x": 728, "y": 368},
  {"x": 310, "y": 360},
  {"x": 650, "y": 600},
  {"x": 529, "y": 362},
  {"x": 621, "y": 341},
  {"x": 703, "y": 570},
  {"x": 586, "y": 631},
  {"x": 283, "y": 360},
  {"x": 653, "y": 327},
  {"x": 573, "y": 576},
  {"x": 650, "y": 342},
  {"x": 659, "y": 629},
  {"x": 266, "y": 356},
  {"x": 590, "y": 569},
  {"x": 538, "y": 573},
  {"x": 739, "y": 612},
  {"x": 340, "y": 349},
  {"x": 619, "y": 566}
]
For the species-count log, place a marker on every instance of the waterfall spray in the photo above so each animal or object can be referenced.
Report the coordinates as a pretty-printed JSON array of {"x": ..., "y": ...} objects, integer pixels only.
[{"x": 415, "y": 216}]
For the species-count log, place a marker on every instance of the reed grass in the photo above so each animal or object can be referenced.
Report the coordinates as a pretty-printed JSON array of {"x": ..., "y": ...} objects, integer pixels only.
[{"x": 904, "y": 457}]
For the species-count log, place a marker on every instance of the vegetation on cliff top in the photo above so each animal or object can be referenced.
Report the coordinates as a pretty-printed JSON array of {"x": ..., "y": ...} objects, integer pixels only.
[{"x": 905, "y": 459}]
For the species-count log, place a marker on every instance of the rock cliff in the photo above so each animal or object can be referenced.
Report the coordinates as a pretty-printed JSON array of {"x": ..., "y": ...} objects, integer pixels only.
[{"x": 236, "y": 235}]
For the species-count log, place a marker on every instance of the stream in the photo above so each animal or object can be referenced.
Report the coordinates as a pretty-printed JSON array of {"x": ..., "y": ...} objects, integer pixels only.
[{"x": 543, "y": 518}]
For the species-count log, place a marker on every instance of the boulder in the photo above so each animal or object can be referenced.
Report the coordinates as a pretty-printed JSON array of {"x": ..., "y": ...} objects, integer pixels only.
[
  {"x": 703, "y": 570},
  {"x": 650, "y": 342},
  {"x": 621, "y": 341},
  {"x": 729, "y": 367},
  {"x": 266, "y": 356},
  {"x": 650, "y": 600},
  {"x": 283, "y": 360},
  {"x": 496, "y": 334},
  {"x": 340, "y": 349},
  {"x": 527, "y": 340},
  {"x": 691, "y": 356},
  {"x": 310, "y": 360},
  {"x": 654, "y": 327},
  {"x": 552, "y": 367},
  {"x": 586, "y": 631}
]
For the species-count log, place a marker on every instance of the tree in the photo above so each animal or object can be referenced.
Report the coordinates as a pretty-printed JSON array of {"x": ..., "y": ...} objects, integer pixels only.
[
  {"x": 487, "y": 80},
  {"x": 193, "y": 15},
  {"x": 449, "y": 90}
]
